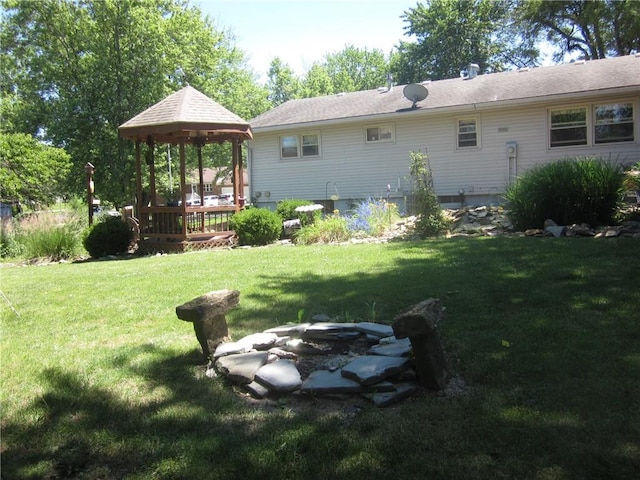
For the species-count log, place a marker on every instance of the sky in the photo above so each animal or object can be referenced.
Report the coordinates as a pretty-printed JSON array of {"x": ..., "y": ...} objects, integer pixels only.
[{"x": 302, "y": 32}]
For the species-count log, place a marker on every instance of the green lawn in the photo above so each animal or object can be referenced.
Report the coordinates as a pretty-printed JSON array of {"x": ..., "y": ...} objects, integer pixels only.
[{"x": 101, "y": 380}]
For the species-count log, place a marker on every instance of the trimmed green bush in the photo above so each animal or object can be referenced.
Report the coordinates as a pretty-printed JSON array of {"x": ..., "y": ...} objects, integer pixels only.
[
  {"x": 580, "y": 190},
  {"x": 257, "y": 226},
  {"x": 109, "y": 236},
  {"x": 287, "y": 211}
]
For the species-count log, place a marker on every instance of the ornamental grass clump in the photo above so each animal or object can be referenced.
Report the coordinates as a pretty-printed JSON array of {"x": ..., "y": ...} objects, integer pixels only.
[
  {"x": 331, "y": 229},
  {"x": 569, "y": 191},
  {"x": 43, "y": 235}
]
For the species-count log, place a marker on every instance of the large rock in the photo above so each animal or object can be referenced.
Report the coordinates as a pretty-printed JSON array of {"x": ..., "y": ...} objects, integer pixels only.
[
  {"x": 419, "y": 324},
  {"x": 371, "y": 369},
  {"x": 280, "y": 376},
  {"x": 241, "y": 368},
  {"x": 207, "y": 313}
]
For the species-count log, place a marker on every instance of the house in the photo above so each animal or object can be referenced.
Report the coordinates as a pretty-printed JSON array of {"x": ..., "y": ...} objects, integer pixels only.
[
  {"x": 216, "y": 181},
  {"x": 480, "y": 132}
]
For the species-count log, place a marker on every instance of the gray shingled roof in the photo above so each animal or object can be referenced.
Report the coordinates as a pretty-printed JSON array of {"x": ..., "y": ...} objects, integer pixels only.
[
  {"x": 186, "y": 113},
  {"x": 523, "y": 86}
]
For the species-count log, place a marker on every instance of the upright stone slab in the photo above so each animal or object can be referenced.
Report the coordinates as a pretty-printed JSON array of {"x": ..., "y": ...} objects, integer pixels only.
[
  {"x": 419, "y": 324},
  {"x": 207, "y": 313}
]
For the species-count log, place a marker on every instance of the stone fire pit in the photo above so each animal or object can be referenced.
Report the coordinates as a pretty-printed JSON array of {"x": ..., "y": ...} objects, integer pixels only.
[{"x": 383, "y": 363}]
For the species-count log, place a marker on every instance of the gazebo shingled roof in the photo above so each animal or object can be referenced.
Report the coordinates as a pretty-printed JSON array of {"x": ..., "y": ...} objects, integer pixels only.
[{"x": 187, "y": 114}]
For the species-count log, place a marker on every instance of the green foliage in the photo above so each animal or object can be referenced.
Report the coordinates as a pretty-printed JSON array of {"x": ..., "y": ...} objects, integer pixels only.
[
  {"x": 283, "y": 85},
  {"x": 43, "y": 235},
  {"x": 287, "y": 211},
  {"x": 431, "y": 219},
  {"x": 452, "y": 34},
  {"x": 81, "y": 69},
  {"x": 30, "y": 171},
  {"x": 109, "y": 236},
  {"x": 580, "y": 190},
  {"x": 330, "y": 229},
  {"x": 257, "y": 226},
  {"x": 595, "y": 29}
]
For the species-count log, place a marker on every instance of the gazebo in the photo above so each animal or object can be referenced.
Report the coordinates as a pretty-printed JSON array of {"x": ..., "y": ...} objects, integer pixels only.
[{"x": 186, "y": 117}]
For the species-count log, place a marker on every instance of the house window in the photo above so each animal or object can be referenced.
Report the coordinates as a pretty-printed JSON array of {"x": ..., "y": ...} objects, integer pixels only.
[
  {"x": 310, "y": 145},
  {"x": 614, "y": 123},
  {"x": 208, "y": 187},
  {"x": 289, "y": 146},
  {"x": 381, "y": 133},
  {"x": 467, "y": 133},
  {"x": 568, "y": 127}
]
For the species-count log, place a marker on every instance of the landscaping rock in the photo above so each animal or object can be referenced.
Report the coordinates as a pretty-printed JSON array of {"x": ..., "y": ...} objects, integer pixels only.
[
  {"x": 241, "y": 368},
  {"x": 371, "y": 369},
  {"x": 384, "y": 399},
  {"x": 280, "y": 376},
  {"x": 419, "y": 324},
  {"x": 323, "y": 382},
  {"x": 207, "y": 313}
]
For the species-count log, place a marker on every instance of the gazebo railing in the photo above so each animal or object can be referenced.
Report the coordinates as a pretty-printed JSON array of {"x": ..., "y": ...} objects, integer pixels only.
[{"x": 183, "y": 224}]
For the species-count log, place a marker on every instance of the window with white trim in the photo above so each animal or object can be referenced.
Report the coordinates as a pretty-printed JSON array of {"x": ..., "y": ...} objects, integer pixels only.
[
  {"x": 310, "y": 145},
  {"x": 613, "y": 123},
  {"x": 379, "y": 133},
  {"x": 300, "y": 146},
  {"x": 289, "y": 146},
  {"x": 568, "y": 127},
  {"x": 592, "y": 124},
  {"x": 467, "y": 132}
]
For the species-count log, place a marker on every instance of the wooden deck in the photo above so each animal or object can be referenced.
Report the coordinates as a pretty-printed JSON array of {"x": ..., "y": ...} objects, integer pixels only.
[{"x": 177, "y": 229}]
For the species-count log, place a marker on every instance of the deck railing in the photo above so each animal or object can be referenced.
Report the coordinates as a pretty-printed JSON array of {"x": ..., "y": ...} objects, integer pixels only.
[{"x": 184, "y": 224}]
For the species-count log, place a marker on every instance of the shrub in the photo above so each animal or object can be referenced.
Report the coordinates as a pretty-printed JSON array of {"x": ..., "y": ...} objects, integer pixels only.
[
  {"x": 109, "y": 236},
  {"x": 287, "y": 211},
  {"x": 431, "y": 220},
  {"x": 372, "y": 216},
  {"x": 48, "y": 235},
  {"x": 581, "y": 190},
  {"x": 257, "y": 226},
  {"x": 330, "y": 229}
]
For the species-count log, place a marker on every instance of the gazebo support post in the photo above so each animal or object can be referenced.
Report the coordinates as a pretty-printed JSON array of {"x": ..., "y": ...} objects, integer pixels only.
[
  {"x": 199, "y": 144},
  {"x": 138, "y": 182},
  {"x": 183, "y": 189},
  {"x": 236, "y": 162},
  {"x": 151, "y": 162}
]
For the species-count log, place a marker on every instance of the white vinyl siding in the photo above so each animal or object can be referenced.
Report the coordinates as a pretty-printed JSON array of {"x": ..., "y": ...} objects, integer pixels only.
[{"x": 355, "y": 170}]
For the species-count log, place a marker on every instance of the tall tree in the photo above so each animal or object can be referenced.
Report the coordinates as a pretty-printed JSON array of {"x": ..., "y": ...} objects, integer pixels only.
[
  {"x": 30, "y": 171},
  {"x": 283, "y": 85},
  {"x": 451, "y": 34},
  {"x": 76, "y": 70},
  {"x": 591, "y": 28},
  {"x": 354, "y": 69}
]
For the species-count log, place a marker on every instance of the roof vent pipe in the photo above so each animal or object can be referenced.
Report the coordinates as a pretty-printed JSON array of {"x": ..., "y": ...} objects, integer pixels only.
[
  {"x": 389, "y": 82},
  {"x": 473, "y": 70}
]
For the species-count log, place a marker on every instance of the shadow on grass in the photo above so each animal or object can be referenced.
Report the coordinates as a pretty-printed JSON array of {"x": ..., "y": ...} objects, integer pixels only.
[{"x": 545, "y": 334}]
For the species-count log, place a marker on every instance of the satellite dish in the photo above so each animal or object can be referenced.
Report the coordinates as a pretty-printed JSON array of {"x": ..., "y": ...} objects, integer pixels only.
[{"x": 415, "y": 92}]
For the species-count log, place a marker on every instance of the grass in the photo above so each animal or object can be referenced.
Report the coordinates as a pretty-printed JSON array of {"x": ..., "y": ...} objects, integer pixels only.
[{"x": 101, "y": 380}]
